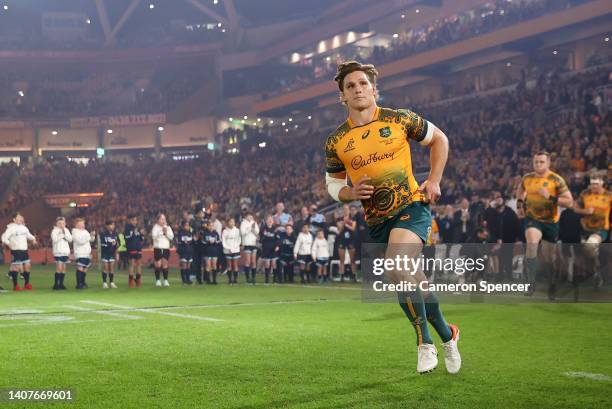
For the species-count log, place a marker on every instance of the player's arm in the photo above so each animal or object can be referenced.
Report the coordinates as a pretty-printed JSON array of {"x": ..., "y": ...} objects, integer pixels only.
[
  {"x": 579, "y": 207},
  {"x": 438, "y": 156},
  {"x": 339, "y": 189},
  {"x": 564, "y": 196},
  {"x": 565, "y": 199},
  {"x": 521, "y": 193}
]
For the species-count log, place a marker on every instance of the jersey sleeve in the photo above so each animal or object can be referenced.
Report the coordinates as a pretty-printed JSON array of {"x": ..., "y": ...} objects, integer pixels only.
[
  {"x": 561, "y": 186},
  {"x": 333, "y": 164},
  {"x": 415, "y": 127}
]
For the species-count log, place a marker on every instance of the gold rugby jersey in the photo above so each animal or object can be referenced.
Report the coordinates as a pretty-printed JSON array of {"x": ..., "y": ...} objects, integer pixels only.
[
  {"x": 380, "y": 149},
  {"x": 539, "y": 208},
  {"x": 601, "y": 203}
]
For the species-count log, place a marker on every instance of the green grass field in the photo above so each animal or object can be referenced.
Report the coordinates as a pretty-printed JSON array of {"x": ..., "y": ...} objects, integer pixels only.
[{"x": 290, "y": 347}]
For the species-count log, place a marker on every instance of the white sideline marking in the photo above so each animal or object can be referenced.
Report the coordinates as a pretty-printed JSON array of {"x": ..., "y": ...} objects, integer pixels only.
[
  {"x": 111, "y": 313},
  {"x": 152, "y": 311},
  {"x": 18, "y": 311},
  {"x": 70, "y": 320},
  {"x": 588, "y": 375}
]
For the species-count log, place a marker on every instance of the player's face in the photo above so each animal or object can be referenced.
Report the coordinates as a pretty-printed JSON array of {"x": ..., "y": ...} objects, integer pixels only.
[
  {"x": 231, "y": 223},
  {"x": 596, "y": 187},
  {"x": 111, "y": 227},
  {"x": 280, "y": 207},
  {"x": 61, "y": 224},
  {"x": 19, "y": 220},
  {"x": 541, "y": 163},
  {"x": 134, "y": 221},
  {"x": 80, "y": 224},
  {"x": 289, "y": 230},
  {"x": 269, "y": 221},
  {"x": 161, "y": 220},
  {"x": 359, "y": 93}
]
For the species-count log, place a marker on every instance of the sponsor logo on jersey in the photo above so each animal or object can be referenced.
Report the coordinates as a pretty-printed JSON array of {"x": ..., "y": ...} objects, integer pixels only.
[
  {"x": 359, "y": 161},
  {"x": 385, "y": 132},
  {"x": 350, "y": 146}
]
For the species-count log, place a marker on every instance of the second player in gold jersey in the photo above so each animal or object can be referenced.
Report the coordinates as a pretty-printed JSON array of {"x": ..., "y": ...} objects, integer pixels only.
[{"x": 539, "y": 207}]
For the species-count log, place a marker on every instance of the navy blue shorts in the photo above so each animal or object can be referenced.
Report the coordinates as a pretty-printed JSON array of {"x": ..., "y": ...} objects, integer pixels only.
[
  {"x": 322, "y": 261},
  {"x": 232, "y": 256},
  {"x": 61, "y": 259},
  {"x": 250, "y": 249},
  {"x": 20, "y": 256},
  {"x": 134, "y": 254},
  {"x": 158, "y": 254},
  {"x": 107, "y": 258},
  {"x": 83, "y": 262},
  {"x": 304, "y": 259}
]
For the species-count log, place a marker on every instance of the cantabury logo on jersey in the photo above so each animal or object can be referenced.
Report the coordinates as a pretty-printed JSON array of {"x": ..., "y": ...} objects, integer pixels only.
[
  {"x": 359, "y": 162},
  {"x": 350, "y": 146},
  {"x": 385, "y": 132},
  {"x": 365, "y": 134}
]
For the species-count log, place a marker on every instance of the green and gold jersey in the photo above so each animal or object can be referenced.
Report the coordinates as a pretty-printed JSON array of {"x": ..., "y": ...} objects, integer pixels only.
[
  {"x": 539, "y": 208},
  {"x": 601, "y": 203},
  {"x": 380, "y": 149}
]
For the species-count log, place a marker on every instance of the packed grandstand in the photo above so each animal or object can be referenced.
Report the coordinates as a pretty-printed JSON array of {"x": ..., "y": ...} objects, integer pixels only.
[{"x": 237, "y": 123}]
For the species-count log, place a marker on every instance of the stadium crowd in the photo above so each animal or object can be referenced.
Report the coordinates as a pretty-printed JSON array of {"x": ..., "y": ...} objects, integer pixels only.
[
  {"x": 483, "y": 19},
  {"x": 79, "y": 92}
]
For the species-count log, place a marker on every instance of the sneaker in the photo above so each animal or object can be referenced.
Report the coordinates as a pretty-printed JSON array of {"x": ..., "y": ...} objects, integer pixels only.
[
  {"x": 28, "y": 287},
  {"x": 104, "y": 286},
  {"x": 131, "y": 283},
  {"x": 112, "y": 285},
  {"x": 17, "y": 288},
  {"x": 166, "y": 283},
  {"x": 157, "y": 283},
  {"x": 452, "y": 358},
  {"x": 427, "y": 358}
]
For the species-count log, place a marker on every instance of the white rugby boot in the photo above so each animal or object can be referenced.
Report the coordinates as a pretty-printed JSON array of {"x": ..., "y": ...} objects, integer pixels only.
[
  {"x": 427, "y": 358},
  {"x": 452, "y": 358},
  {"x": 157, "y": 283},
  {"x": 166, "y": 283},
  {"x": 104, "y": 285}
]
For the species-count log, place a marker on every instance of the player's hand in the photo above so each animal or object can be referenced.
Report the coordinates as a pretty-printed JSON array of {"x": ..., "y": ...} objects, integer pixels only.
[
  {"x": 431, "y": 190},
  {"x": 362, "y": 190},
  {"x": 590, "y": 210},
  {"x": 544, "y": 192}
]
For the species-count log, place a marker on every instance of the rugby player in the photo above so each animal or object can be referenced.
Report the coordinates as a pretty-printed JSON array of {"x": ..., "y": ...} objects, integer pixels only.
[{"x": 372, "y": 149}]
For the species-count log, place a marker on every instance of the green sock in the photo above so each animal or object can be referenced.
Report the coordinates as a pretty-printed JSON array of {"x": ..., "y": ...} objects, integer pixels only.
[
  {"x": 436, "y": 318},
  {"x": 414, "y": 308},
  {"x": 531, "y": 265}
]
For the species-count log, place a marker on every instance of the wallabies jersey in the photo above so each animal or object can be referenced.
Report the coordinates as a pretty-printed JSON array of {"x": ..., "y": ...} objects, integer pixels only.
[
  {"x": 601, "y": 204},
  {"x": 380, "y": 149},
  {"x": 539, "y": 208}
]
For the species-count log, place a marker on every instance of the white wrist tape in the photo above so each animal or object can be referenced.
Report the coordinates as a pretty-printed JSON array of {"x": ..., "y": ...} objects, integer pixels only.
[{"x": 334, "y": 186}]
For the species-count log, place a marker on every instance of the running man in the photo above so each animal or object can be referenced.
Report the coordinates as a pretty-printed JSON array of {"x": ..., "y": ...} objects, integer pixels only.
[
  {"x": 372, "y": 148},
  {"x": 543, "y": 192}
]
